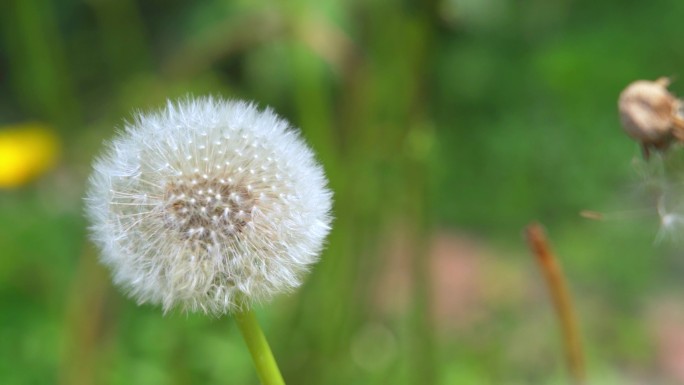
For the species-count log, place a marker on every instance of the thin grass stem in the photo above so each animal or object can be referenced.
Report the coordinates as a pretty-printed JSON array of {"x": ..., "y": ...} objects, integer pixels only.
[{"x": 562, "y": 301}]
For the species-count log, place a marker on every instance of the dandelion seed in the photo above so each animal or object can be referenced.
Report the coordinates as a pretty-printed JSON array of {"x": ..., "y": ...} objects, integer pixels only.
[{"x": 671, "y": 222}]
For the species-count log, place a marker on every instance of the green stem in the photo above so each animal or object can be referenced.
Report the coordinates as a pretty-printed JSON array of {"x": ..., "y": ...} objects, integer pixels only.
[{"x": 266, "y": 366}]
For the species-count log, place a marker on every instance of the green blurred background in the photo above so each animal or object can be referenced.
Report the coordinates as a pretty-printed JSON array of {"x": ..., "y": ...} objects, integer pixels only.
[{"x": 444, "y": 126}]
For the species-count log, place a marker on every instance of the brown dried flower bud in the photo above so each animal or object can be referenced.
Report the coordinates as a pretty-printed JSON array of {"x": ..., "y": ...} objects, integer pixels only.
[{"x": 650, "y": 114}]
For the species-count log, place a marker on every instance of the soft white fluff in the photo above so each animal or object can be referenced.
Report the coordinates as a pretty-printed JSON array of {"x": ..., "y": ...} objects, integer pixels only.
[{"x": 208, "y": 205}]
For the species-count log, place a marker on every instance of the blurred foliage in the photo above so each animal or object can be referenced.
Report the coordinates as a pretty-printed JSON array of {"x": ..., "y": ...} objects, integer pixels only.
[{"x": 458, "y": 117}]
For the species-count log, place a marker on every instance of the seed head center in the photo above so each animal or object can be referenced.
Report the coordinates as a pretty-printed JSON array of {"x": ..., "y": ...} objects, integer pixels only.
[{"x": 207, "y": 210}]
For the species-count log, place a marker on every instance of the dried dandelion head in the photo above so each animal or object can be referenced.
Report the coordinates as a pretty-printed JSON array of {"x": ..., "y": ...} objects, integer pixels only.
[
  {"x": 208, "y": 205},
  {"x": 650, "y": 114}
]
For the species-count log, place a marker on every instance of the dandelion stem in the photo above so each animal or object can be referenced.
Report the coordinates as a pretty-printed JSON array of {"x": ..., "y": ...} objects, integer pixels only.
[
  {"x": 562, "y": 301},
  {"x": 266, "y": 366}
]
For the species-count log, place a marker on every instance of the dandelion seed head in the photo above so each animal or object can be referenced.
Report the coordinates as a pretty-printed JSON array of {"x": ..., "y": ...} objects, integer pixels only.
[{"x": 208, "y": 205}]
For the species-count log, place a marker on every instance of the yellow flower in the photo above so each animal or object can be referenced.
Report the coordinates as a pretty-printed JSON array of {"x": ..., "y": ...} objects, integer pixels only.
[{"x": 26, "y": 151}]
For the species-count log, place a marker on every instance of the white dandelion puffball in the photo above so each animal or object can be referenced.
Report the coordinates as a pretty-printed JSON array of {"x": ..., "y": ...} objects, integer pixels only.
[{"x": 208, "y": 205}]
